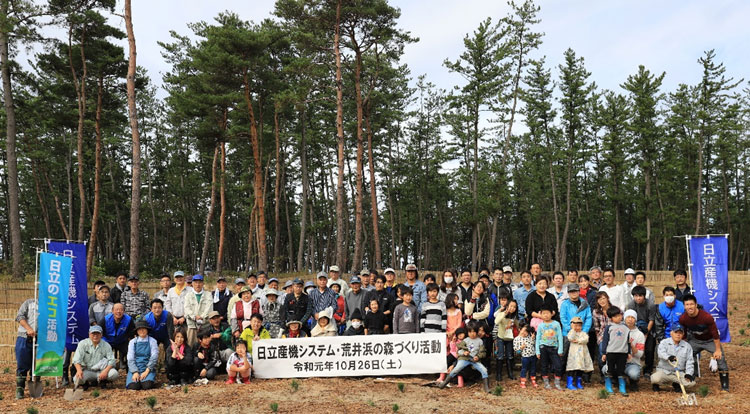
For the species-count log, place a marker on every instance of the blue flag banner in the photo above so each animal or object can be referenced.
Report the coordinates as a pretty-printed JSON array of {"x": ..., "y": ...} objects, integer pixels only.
[
  {"x": 78, "y": 300},
  {"x": 54, "y": 276},
  {"x": 710, "y": 271}
]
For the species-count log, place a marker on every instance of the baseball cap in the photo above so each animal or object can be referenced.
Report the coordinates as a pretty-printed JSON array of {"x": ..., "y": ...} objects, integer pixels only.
[
  {"x": 411, "y": 267},
  {"x": 221, "y": 278},
  {"x": 179, "y": 273},
  {"x": 239, "y": 280},
  {"x": 576, "y": 319},
  {"x": 213, "y": 314},
  {"x": 287, "y": 284},
  {"x": 198, "y": 277},
  {"x": 631, "y": 312},
  {"x": 355, "y": 279},
  {"x": 629, "y": 271},
  {"x": 677, "y": 327},
  {"x": 262, "y": 272},
  {"x": 133, "y": 277},
  {"x": 273, "y": 279},
  {"x": 389, "y": 270},
  {"x": 297, "y": 281},
  {"x": 364, "y": 272},
  {"x": 573, "y": 287},
  {"x": 322, "y": 274},
  {"x": 272, "y": 291},
  {"x": 334, "y": 268},
  {"x": 95, "y": 328},
  {"x": 507, "y": 269}
]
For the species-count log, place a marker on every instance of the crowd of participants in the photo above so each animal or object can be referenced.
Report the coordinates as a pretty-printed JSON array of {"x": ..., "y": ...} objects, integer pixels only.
[{"x": 564, "y": 327}]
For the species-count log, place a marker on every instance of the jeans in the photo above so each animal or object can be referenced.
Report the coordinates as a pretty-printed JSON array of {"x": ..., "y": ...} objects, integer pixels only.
[
  {"x": 633, "y": 371},
  {"x": 463, "y": 363},
  {"x": 504, "y": 349},
  {"x": 548, "y": 356},
  {"x": 528, "y": 364}
]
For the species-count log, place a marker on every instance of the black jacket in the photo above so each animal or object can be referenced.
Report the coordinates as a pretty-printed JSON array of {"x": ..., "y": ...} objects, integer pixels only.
[{"x": 296, "y": 309}]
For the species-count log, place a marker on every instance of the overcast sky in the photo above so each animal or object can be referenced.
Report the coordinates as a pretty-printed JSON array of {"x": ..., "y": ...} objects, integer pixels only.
[{"x": 613, "y": 36}]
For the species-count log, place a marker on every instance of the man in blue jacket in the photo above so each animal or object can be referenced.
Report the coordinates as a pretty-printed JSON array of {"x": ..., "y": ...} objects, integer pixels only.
[
  {"x": 667, "y": 314},
  {"x": 571, "y": 307},
  {"x": 118, "y": 329}
]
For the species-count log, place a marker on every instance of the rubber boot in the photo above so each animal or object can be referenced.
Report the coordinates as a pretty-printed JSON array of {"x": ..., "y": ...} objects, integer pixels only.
[
  {"x": 579, "y": 383},
  {"x": 523, "y": 382},
  {"x": 546, "y": 383},
  {"x": 246, "y": 380},
  {"x": 460, "y": 381},
  {"x": 499, "y": 370},
  {"x": 20, "y": 386},
  {"x": 509, "y": 362},
  {"x": 557, "y": 383},
  {"x": 623, "y": 387},
  {"x": 442, "y": 377},
  {"x": 533, "y": 382},
  {"x": 486, "y": 385},
  {"x": 570, "y": 383},
  {"x": 724, "y": 379},
  {"x": 608, "y": 385},
  {"x": 444, "y": 382}
]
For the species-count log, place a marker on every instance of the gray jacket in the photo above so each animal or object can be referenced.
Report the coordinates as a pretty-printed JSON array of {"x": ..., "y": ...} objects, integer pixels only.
[{"x": 682, "y": 351}]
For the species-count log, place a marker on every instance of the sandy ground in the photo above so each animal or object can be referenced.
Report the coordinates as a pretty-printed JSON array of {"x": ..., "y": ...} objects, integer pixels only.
[{"x": 369, "y": 395}]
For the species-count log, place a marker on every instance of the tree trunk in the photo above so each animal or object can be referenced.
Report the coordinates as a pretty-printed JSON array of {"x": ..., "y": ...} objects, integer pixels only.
[
  {"x": 120, "y": 226},
  {"x": 340, "y": 247},
  {"x": 154, "y": 244},
  {"x": 223, "y": 213},
  {"x": 45, "y": 213},
  {"x": 373, "y": 196},
  {"x": 14, "y": 217},
  {"x": 258, "y": 178},
  {"x": 305, "y": 186},
  {"x": 277, "y": 191},
  {"x": 80, "y": 87},
  {"x": 357, "y": 262},
  {"x": 135, "y": 196},
  {"x": 648, "y": 219},
  {"x": 210, "y": 214},
  {"x": 97, "y": 177}
]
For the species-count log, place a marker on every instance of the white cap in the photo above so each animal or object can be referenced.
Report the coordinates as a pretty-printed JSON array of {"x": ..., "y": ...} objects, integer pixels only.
[
  {"x": 629, "y": 271},
  {"x": 389, "y": 270},
  {"x": 631, "y": 312}
]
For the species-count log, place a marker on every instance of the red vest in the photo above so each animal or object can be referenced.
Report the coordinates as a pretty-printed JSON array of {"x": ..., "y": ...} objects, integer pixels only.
[{"x": 240, "y": 311}]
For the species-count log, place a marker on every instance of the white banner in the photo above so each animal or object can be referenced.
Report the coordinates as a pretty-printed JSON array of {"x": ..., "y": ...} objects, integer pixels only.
[{"x": 342, "y": 356}]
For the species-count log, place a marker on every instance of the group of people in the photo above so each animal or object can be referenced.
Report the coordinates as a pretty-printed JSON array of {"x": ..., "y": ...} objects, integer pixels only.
[{"x": 565, "y": 324}]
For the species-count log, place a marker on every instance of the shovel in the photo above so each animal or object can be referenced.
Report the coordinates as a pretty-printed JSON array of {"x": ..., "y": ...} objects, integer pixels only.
[
  {"x": 36, "y": 387},
  {"x": 685, "y": 399},
  {"x": 74, "y": 394}
]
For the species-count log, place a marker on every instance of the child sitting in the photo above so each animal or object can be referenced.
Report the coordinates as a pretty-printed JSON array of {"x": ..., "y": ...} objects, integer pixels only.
[
  {"x": 549, "y": 346},
  {"x": 324, "y": 326},
  {"x": 505, "y": 318},
  {"x": 376, "y": 323},
  {"x": 239, "y": 364},
  {"x": 579, "y": 360},
  {"x": 470, "y": 351},
  {"x": 356, "y": 327},
  {"x": 524, "y": 345},
  {"x": 452, "y": 355},
  {"x": 615, "y": 348},
  {"x": 485, "y": 335},
  {"x": 207, "y": 357},
  {"x": 294, "y": 330}
]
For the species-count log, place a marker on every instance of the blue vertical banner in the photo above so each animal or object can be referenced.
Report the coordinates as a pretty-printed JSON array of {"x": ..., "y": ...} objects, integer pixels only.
[
  {"x": 54, "y": 276},
  {"x": 78, "y": 299},
  {"x": 710, "y": 258}
]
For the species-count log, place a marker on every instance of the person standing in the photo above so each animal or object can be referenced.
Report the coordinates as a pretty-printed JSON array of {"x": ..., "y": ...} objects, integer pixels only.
[
  {"x": 165, "y": 283},
  {"x": 221, "y": 296},
  {"x": 27, "y": 318},
  {"x": 120, "y": 287},
  {"x": 198, "y": 303},
  {"x": 175, "y": 303},
  {"x": 322, "y": 297},
  {"x": 135, "y": 300}
]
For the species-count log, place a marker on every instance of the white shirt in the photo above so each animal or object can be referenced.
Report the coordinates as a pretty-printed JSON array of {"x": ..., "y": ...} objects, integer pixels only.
[{"x": 617, "y": 295}]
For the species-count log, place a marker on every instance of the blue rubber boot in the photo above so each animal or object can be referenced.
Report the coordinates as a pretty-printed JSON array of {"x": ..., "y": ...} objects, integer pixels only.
[
  {"x": 623, "y": 387},
  {"x": 579, "y": 383},
  {"x": 608, "y": 385},
  {"x": 570, "y": 383}
]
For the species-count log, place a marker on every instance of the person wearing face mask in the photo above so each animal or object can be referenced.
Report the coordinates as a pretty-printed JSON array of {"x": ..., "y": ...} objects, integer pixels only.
[
  {"x": 667, "y": 314},
  {"x": 448, "y": 285},
  {"x": 356, "y": 327}
]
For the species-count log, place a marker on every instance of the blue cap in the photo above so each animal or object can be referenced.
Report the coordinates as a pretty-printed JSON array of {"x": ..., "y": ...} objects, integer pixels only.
[
  {"x": 95, "y": 328},
  {"x": 198, "y": 277},
  {"x": 179, "y": 273},
  {"x": 355, "y": 279},
  {"x": 677, "y": 327},
  {"x": 297, "y": 281}
]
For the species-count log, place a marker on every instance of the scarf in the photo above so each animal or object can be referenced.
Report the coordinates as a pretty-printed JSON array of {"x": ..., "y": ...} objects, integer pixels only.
[{"x": 217, "y": 293}]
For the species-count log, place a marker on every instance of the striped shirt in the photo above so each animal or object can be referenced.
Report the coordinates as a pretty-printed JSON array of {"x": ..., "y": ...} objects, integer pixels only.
[
  {"x": 434, "y": 317},
  {"x": 321, "y": 300}
]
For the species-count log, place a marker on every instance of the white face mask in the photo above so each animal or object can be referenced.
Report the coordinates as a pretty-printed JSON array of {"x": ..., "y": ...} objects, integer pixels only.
[
  {"x": 448, "y": 280},
  {"x": 669, "y": 299},
  {"x": 356, "y": 325}
]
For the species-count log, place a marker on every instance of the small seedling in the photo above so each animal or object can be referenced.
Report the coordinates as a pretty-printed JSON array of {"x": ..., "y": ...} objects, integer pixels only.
[
  {"x": 1, "y": 396},
  {"x": 742, "y": 331},
  {"x": 185, "y": 389},
  {"x": 603, "y": 394},
  {"x": 274, "y": 407},
  {"x": 32, "y": 410},
  {"x": 735, "y": 307},
  {"x": 46, "y": 383},
  {"x": 395, "y": 408},
  {"x": 6, "y": 370},
  {"x": 498, "y": 390},
  {"x": 400, "y": 386},
  {"x": 371, "y": 403},
  {"x": 746, "y": 342},
  {"x": 730, "y": 313},
  {"x": 748, "y": 316},
  {"x": 519, "y": 411},
  {"x": 748, "y": 324},
  {"x": 95, "y": 393},
  {"x": 151, "y": 401},
  {"x": 295, "y": 385},
  {"x": 703, "y": 390}
]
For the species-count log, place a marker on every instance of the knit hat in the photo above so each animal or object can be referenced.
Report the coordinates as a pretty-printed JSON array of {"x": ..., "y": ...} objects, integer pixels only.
[
  {"x": 356, "y": 314},
  {"x": 631, "y": 312}
]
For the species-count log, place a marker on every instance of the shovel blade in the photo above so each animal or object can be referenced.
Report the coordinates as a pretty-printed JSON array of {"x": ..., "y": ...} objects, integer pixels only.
[
  {"x": 36, "y": 389},
  {"x": 73, "y": 395}
]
